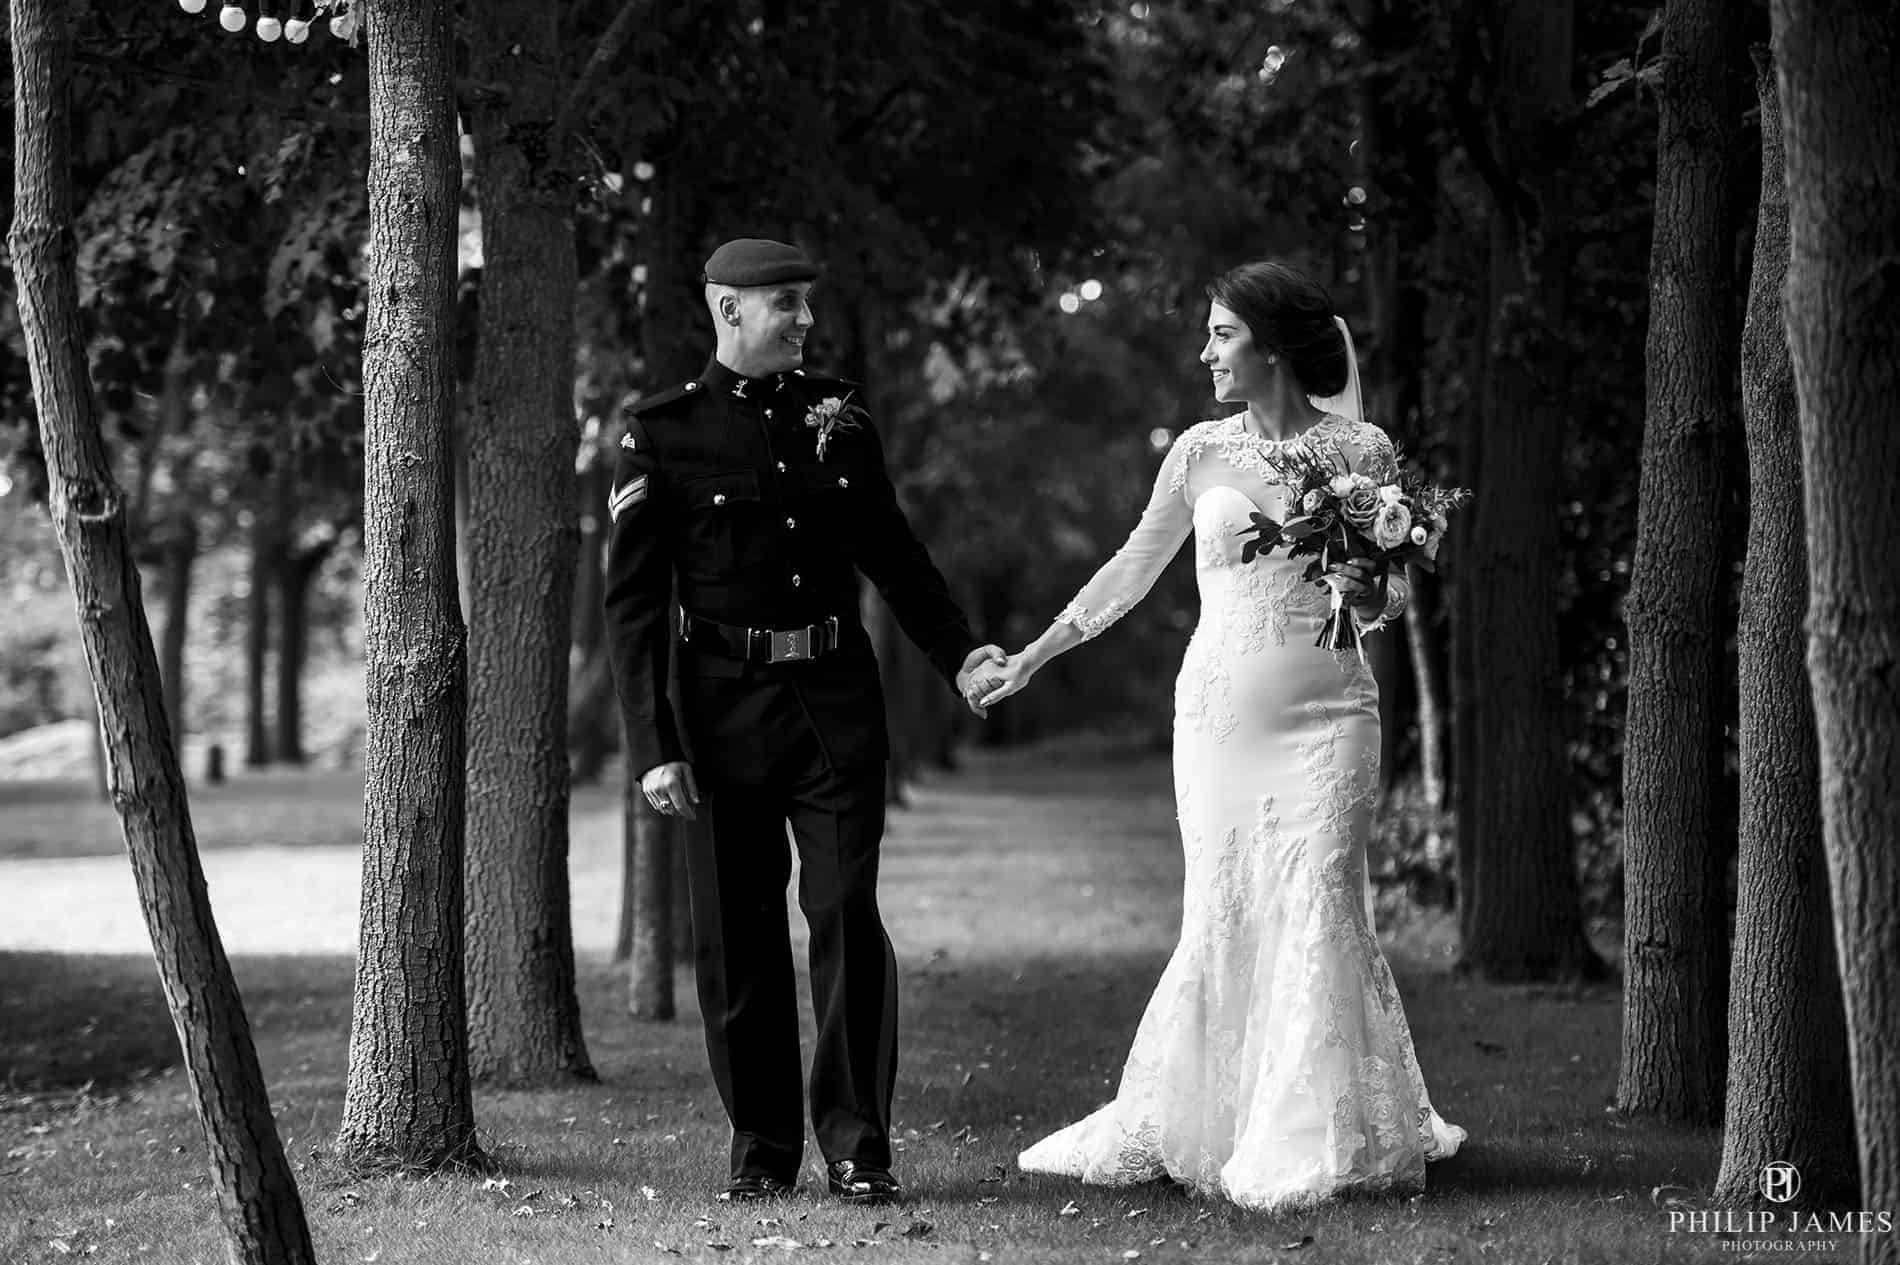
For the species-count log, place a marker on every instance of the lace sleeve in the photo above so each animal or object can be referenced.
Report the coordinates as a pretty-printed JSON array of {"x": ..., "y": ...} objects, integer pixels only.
[
  {"x": 1369, "y": 451},
  {"x": 1126, "y": 578}
]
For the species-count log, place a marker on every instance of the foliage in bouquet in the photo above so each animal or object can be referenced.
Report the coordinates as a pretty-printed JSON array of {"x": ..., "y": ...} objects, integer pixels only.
[{"x": 1346, "y": 515}]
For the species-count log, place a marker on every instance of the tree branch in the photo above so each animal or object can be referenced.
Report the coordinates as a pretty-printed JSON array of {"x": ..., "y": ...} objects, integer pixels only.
[{"x": 612, "y": 40}]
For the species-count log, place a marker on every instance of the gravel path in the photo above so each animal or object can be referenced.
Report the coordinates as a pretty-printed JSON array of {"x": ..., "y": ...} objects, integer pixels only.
[{"x": 266, "y": 899}]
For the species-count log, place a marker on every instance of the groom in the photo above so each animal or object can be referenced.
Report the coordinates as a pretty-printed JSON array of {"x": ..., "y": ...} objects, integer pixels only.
[{"x": 760, "y": 490}]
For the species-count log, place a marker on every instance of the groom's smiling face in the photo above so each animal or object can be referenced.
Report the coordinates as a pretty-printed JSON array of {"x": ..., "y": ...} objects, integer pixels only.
[
  {"x": 773, "y": 322},
  {"x": 1237, "y": 366}
]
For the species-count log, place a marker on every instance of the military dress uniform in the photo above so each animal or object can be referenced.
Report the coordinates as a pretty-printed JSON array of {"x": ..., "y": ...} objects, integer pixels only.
[{"x": 721, "y": 489}]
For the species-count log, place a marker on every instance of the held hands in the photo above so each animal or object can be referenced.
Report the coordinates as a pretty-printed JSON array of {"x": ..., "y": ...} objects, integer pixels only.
[
  {"x": 671, "y": 790},
  {"x": 1360, "y": 583},
  {"x": 977, "y": 660},
  {"x": 998, "y": 683}
]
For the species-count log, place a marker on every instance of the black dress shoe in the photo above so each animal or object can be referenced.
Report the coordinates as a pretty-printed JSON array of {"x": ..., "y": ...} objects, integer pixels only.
[
  {"x": 862, "y": 1183},
  {"x": 752, "y": 1187}
]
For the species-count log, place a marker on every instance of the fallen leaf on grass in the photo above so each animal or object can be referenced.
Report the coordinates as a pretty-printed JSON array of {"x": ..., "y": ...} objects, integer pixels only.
[
  {"x": 704, "y": 1223},
  {"x": 61, "y": 1245},
  {"x": 878, "y": 1227},
  {"x": 1132, "y": 1213},
  {"x": 1069, "y": 1210},
  {"x": 1671, "y": 1196},
  {"x": 1305, "y": 1240},
  {"x": 718, "y": 1247},
  {"x": 649, "y": 1192},
  {"x": 778, "y": 1240},
  {"x": 1132, "y": 1254},
  {"x": 670, "y": 1251},
  {"x": 522, "y": 1210}
]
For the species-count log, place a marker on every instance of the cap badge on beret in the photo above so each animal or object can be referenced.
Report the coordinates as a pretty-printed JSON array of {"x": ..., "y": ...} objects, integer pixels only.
[{"x": 759, "y": 261}]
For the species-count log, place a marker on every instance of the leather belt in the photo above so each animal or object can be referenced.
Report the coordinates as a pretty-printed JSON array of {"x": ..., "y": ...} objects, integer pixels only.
[{"x": 760, "y": 645}]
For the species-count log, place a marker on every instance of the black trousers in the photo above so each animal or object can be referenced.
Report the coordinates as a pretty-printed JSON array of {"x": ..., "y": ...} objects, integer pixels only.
[{"x": 738, "y": 867}]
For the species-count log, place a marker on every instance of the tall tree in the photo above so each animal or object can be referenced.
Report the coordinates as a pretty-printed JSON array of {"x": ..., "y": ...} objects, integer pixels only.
[
  {"x": 524, "y": 1015},
  {"x": 407, "y": 1104},
  {"x": 257, "y": 1195},
  {"x": 1840, "y": 103},
  {"x": 1787, "y": 1065},
  {"x": 1520, "y": 914},
  {"x": 1675, "y": 929}
]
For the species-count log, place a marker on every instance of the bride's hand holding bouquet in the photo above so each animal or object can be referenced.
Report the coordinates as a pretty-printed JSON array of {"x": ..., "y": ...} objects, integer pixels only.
[{"x": 1357, "y": 530}]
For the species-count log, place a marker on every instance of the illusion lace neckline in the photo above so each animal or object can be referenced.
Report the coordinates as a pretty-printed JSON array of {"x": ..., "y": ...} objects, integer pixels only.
[{"x": 1327, "y": 423}]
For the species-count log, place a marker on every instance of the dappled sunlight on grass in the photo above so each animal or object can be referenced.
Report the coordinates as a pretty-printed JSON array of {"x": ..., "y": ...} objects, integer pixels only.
[{"x": 1033, "y": 909}]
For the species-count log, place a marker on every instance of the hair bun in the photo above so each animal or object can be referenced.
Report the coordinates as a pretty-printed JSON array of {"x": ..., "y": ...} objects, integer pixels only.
[{"x": 1289, "y": 312}]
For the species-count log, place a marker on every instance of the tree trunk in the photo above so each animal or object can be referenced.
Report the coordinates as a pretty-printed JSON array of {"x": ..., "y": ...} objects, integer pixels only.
[
  {"x": 593, "y": 718},
  {"x": 257, "y": 1195},
  {"x": 266, "y": 566},
  {"x": 524, "y": 1013},
  {"x": 1787, "y": 1036},
  {"x": 1425, "y": 643},
  {"x": 1841, "y": 107},
  {"x": 1674, "y": 930},
  {"x": 672, "y": 350},
  {"x": 407, "y": 1104},
  {"x": 181, "y": 551},
  {"x": 650, "y": 960},
  {"x": 1521, "y": 918},
  {"x": 294, "y": 577}
]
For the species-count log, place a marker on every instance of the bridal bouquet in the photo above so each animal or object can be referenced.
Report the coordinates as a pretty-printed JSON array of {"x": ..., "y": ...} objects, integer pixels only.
[{"x": 1342, "y": 515}]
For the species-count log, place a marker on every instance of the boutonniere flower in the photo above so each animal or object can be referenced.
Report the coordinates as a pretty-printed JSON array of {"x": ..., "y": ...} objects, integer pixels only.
[{"x": 831, "y": 415}]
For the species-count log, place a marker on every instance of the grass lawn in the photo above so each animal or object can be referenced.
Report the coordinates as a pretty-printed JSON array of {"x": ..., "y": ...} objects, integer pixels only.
[{"x": 1032, "y": 910}]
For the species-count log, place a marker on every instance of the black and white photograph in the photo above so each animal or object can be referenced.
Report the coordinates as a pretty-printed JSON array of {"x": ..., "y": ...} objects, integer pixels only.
[{"x": 1021, "y": 631}]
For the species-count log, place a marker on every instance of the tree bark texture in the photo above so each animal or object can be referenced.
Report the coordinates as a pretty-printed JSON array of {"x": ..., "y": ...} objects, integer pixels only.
[
  {"x": 407, "y": 1104},
  {"x": 257, "y": 1195},
  {"x": 1840, "y": 103},
  {"x": 652, "y": 841},
  {"x": 1788, "y": 1046},
  {"x": 1674, "y": 930},
  {"x": 1521, "y": 917},
  {"x": 524, "y": 1014}
]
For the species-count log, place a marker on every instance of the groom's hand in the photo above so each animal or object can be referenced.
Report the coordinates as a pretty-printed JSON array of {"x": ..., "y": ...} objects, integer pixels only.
[
  {"x": 976, "y": 659},
  {"x": 671, "y": 790}
]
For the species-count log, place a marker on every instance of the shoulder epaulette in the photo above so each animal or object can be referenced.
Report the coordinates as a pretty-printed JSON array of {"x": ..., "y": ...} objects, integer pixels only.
[{"x": 660, "y": 399}]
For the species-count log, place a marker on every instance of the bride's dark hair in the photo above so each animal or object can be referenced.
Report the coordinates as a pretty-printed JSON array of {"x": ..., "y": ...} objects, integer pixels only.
[{"x": 1290, "y": 313}]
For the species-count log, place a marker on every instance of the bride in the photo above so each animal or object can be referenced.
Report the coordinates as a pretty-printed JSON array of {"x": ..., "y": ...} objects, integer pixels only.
[{"x": 1273, "y": 1065}]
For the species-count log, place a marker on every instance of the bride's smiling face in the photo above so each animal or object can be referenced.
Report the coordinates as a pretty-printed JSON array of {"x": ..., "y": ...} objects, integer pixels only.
[{"x": 1239, "y": 368}]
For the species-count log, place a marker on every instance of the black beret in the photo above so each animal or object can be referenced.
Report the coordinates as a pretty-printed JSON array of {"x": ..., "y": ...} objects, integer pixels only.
[{"x": 759, "y": 261}]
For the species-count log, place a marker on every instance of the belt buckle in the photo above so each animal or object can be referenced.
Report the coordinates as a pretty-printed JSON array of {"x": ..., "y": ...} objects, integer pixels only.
[{"x": 791, "y": 644}]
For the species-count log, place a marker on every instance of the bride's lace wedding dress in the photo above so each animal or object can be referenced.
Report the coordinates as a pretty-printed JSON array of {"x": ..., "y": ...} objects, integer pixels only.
[{"x": 1273, "y": 1065}]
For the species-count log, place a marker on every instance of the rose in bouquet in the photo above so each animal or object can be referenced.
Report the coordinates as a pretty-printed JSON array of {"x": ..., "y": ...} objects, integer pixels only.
[{"x": 1343, "y": 515}]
